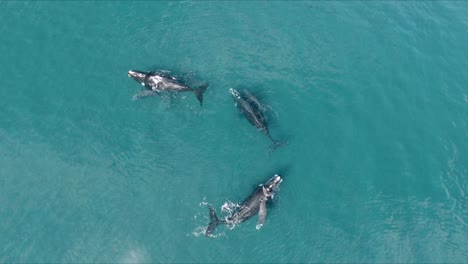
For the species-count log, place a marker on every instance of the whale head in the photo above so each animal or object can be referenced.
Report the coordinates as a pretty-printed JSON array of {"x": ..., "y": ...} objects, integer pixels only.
[
  {"x": 138, "y": 76},
  {"x": 235, "y": 94},
  {"x": 272, "y": 185}
]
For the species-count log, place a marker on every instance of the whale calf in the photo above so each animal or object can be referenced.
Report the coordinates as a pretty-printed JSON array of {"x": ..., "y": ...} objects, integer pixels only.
[
  {"x": 255, "y": 203},
  {"x": 160, "y": 82},
  {"x": 253, "y": 110}
]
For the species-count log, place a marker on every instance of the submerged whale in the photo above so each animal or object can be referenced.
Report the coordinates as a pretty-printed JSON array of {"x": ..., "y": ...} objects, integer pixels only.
[
  {"x": 253, "y": 110},
  {"x": 160, "y": 82},
  {"x": 255, "y": 203}
]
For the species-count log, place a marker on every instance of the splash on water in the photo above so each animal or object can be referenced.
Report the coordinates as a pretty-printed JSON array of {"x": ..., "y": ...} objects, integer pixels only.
[
  {"x": 202, "y": 218},
  {"x": 228, "y": 207}
]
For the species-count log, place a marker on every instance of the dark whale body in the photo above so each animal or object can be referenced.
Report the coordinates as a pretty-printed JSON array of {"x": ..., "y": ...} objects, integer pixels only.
[
  {"x": 255, "y": 203},
  {"x": 253, "y": 110},
  {"x": 160, "y": 82}
]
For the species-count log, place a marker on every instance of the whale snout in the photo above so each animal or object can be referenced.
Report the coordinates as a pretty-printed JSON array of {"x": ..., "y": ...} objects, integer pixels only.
[
  {"x": 234, "y": 93},
  {"x": 277, "y": 180},
  {"x": 134, "y": 74},
  {"x": 131, "y": 73},
  {"x": 137, "y": 75},
  {"x": 274, "y": 182}
]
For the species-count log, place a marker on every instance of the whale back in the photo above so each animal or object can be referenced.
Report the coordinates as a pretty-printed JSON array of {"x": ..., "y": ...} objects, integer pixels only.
[{"x": 248, "y": 208}]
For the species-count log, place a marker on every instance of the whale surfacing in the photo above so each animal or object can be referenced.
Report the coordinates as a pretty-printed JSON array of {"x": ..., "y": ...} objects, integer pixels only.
[
  {"x": 160, "y": 82},
  {"x": 254, "y": 111},
  {"x": 255, "y": 203}
]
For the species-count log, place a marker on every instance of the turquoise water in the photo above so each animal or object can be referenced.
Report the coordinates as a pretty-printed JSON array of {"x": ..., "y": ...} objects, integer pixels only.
[{"x": 372, "y": 97}]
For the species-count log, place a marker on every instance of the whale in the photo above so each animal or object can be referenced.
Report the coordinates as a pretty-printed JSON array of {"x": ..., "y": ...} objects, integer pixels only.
[
  {"x": 254, "y": 111},
  {"x": 256, "y": 203},
  {"x": 161, "y": 82}
]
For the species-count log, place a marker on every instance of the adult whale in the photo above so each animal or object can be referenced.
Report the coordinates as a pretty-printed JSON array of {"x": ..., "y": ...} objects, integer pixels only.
[
  {"x": 255, "y": 203},
  {"x": 249, "y": 105},
  {"x": 160, "y": 82}
]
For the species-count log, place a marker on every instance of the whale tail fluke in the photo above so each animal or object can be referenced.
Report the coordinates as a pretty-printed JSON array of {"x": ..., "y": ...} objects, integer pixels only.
[
  {"x": 199, "y": 93},
  {"x": 214, "y": 221}
]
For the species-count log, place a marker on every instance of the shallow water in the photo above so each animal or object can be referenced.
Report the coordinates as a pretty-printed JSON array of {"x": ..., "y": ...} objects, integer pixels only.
[{"x": 371, "y": 96}]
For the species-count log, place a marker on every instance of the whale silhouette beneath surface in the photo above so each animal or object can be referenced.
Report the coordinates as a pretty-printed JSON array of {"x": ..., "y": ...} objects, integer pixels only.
[{"x": 254, "y": 111}]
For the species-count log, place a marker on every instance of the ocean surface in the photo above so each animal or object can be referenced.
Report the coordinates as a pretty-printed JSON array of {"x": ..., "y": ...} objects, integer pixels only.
[{"x": 371, "y": 96}]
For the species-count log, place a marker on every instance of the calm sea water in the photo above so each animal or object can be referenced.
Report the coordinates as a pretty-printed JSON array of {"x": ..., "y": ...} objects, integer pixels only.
[{"x": 372, "y": 97}]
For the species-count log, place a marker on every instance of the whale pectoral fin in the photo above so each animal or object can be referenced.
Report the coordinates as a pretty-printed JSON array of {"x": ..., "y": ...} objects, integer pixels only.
[
  {"x": 262, "y": 212},
  {"x": 144, "y": 93}
]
